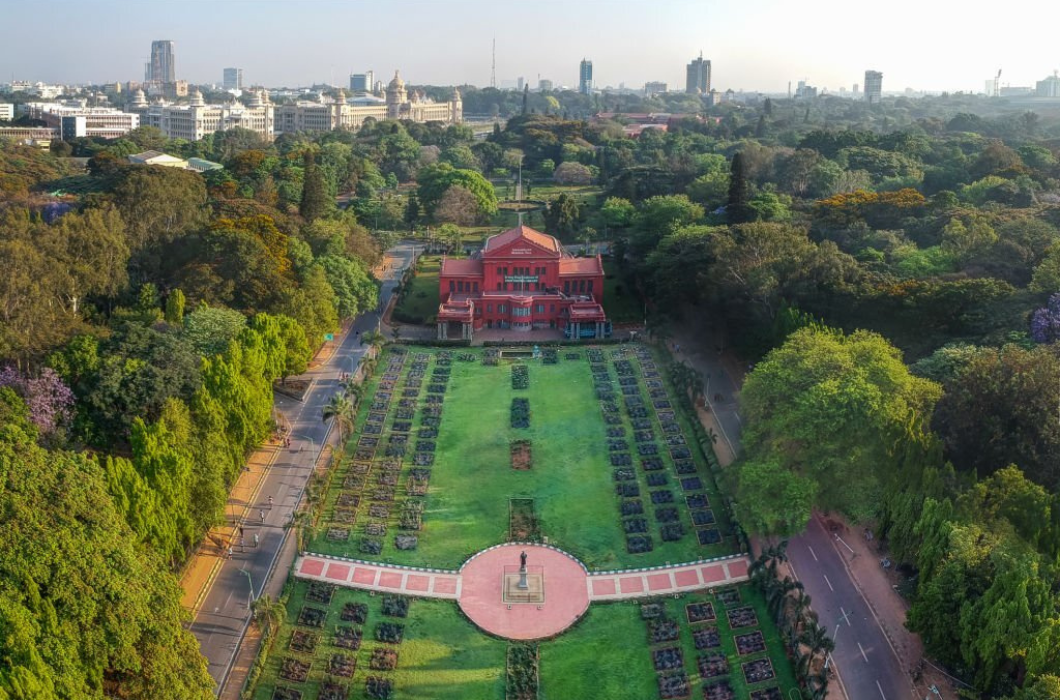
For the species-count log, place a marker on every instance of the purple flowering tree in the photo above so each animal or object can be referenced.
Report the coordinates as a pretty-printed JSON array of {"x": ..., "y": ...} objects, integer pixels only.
[
  {"x": 1045, "y": 323},
  {"x": 47, "y": 397}
]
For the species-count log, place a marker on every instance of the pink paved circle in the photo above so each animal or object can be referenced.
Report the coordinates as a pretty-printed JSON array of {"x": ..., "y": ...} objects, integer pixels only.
[{"x": 566, "y": 593}]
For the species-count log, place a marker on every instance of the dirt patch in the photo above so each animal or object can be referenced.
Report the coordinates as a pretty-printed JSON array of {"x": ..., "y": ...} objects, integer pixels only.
[
  {"x": 522, "y": 523},
  {"x": 521, "y": 455}
]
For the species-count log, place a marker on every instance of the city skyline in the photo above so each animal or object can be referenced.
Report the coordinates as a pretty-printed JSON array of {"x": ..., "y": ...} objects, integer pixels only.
[{"x": 755, "y": 49}]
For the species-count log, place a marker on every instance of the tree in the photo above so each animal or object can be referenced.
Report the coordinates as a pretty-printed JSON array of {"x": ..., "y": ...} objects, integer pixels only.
[
  {"x": 617, "y": 212},
  {"x": 660, "y": 216},
  {"x": 434, "y": 180},
  {"x": 450, "y": 236},
  {"x": 562, "y": 215},
  {"x": 457, "y": 206},
  {"x": 210, "y": 329},
  {"x": 991, "y": 413},
  {"x": 47, "y": 399},
  {"x": 175, "y": 308},
  {"x": 1045, "y": 322},
  {"x": 412, "y": 211},
  {"x": 88, "y": 611},
  {"x": 571, "y": 173},
  {"x": 342, "y": 410},
  {"x": 314, "y": 191},
  {"x": 739, "y": 191},
  {"x": 772, "y": 500},
  {"x": 839, "y": 411}
]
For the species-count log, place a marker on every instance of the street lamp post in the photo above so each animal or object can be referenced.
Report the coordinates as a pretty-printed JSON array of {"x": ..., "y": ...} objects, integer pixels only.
[{"x": 250, "y": 583}]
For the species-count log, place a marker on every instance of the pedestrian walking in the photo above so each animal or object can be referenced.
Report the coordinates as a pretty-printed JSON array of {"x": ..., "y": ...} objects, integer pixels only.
[
  {"x": 256, "y": 539},
  {"x": 240, "y": 532},
  {"x": 262, "y": 514},
  {"x": 270, "y": 501},
  {"x": 229, "y": 552}
]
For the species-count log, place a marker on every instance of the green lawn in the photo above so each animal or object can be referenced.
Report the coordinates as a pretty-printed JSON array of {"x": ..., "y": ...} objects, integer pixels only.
[
  {"x": 444, "y": 657},
  {"x": 606, "y": 654},
  {"x": 571, "y": 482},
  {"x": 419, "y": 303}
]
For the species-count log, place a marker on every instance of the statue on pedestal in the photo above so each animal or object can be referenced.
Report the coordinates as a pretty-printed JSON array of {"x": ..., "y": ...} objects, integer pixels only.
[{"x": 523, "y": 585}]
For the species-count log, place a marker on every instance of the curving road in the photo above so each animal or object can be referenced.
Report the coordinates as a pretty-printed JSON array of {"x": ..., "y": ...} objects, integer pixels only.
[
  {"x": 225, "y": 612},
  {"x": 867, "y": 665}
]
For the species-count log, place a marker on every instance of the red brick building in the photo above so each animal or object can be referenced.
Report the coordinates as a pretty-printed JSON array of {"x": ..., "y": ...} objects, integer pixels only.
[{"x": 522, "y": 279}]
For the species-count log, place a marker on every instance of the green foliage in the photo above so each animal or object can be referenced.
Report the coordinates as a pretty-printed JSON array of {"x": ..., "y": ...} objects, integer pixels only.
[
  {"x": 175, "y": 308},
  {"x": 87, "y": 611},
  {"x": 772, "y": 500},
  {"x": 210, "y": 329},
  {"x": 835, "y": 410},
  {"x": 435, "y": 180},
  {"x": 314, "y": 192}
]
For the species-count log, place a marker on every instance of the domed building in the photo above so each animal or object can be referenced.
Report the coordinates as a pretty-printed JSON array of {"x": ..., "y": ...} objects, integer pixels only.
[{"x": 344, "y": 113}]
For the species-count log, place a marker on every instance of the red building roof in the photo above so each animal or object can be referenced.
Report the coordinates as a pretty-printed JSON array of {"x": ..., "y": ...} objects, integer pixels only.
[
  {"x": 581, "y": 266},
  {"x": 461, "y": 266},
  {"x": 510, "y": 236}
]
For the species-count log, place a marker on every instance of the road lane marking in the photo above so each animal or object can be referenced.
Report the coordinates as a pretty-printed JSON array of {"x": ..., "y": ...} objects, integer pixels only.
[
  {"x": 845, "y": 615},
  {"x": 862, "y": 650},
  {"x": 844, "y": 543},
  {"x": 812, "y": 552},
  {"x": 829, "y": 583},
  {"x": 882, "y": 695}
]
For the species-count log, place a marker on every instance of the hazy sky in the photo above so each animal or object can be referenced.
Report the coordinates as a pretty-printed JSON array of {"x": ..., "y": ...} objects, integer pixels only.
[{"x": 753, "y": 44}]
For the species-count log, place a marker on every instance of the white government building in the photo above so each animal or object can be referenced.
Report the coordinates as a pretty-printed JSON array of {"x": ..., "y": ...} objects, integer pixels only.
[{"x": 195, "y": 120}]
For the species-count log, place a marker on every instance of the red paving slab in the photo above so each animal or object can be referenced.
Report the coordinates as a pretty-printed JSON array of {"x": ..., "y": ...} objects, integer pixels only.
[
  {"x": 737, "y": 568},
  {"x": 566, "y": 593},
  {"x": 311, "y": 567},
  {"x": 364, "y": 575},
  {"x": 631, "y": 584},
  {"x": 686, "y": 577},
  {"x": 390, "y": 579},
  {"x": 604, "y": 586},
  {"x": 713, "y": 574},
  {"x": 417, "y": 583},
  {"x": 338, "y": 572},
  {"x": 659, "y": 582},
  {"x": 444, "y": 584}
]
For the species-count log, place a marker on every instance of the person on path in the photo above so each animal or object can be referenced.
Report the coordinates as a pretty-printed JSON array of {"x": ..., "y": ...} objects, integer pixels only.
[
  {"x": 240, "y": 532},
  {"x": 229, "y": 552},
  {"x": 270, "y": 501},
  {"x": 262, "y": 514},
  {"x": 256, "y": 540}
]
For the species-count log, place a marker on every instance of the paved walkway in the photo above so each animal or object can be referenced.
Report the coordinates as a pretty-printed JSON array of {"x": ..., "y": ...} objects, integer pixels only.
[{"x": 568, "y": 587}]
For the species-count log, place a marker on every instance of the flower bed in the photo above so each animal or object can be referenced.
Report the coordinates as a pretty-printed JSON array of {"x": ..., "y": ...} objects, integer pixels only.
[
  {"x": 312, "y": 617},
  {"x": 354, "y": 612},
  {"x": 706, "y": 638},
  {"x": 712, "y": 665},
  {"x": 521, "y": 676},
  {"x": 395, "y": 606},
  {"x": 667, "y": 659},
  {"x": 758, "y": 671},
  {"x": 750, "y": 643},
  {"x": 662, "y": 629},
  {"x": 389, "y": 632},
  {"x": 282, "y": 693},
  {"x": 342, "y": 665},
  {"x": 333, "y": 691},
  {"x": 742, "y": 617},
  {"x": 383, "y": 659},
  {"x": 348, "y": 638},
  {"x": 303, "y": 642},
  {"x": 294, "y": 670},
  {"x": 521, "y": 457},
  {"x": 522, "y": 521},
  {"x": 520, "y": 413},
  {"x": 700, "y": 612},
  {"x": 767, "y": 694},
  {"x": 379, "y": 688},
  {"x": 673, "y": 686},
  {"x": 520, "y": 377},
  {"x": 718, "y": 691}
]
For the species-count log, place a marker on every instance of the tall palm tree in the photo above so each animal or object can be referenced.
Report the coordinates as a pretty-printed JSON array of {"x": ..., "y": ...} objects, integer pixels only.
[
  {"x": 777, "y": 597},
  {"x": 816, "y": 638},
  {"x": 267, "y": 614},
  {"x": 373, "y": 338},
  {"x": 340, "y": 408}
]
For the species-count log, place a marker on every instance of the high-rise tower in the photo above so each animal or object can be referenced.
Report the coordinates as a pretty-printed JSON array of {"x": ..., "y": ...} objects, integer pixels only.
[
  {"x": 873, "y": 86},
  {"x": 163, "y": 66},
  {"x": 697, "y": 77},
  {"x": 585, "y": 77}
]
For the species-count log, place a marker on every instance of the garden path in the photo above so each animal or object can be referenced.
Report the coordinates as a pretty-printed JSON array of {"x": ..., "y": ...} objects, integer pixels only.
[{"x": 569, "y": 587}]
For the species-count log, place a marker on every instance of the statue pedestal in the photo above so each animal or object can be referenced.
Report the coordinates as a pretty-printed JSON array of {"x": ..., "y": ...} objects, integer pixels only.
[{"x": 533, "y": 592}]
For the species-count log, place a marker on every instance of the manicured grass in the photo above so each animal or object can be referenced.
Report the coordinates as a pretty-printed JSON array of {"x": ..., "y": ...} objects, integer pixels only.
[
  {"x": 443, "y": 656},
  {"x": 621, "y": 302},
  {"x": 571, "y": 482},
  {"x": 419, "y": 303},
  {"x": 605, "y": 655}
]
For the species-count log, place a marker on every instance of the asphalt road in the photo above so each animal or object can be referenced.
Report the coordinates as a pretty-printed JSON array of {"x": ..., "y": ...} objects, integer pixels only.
[
  {"x": 868, "y": 667},
  {"x": 225, "y": 613}
]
